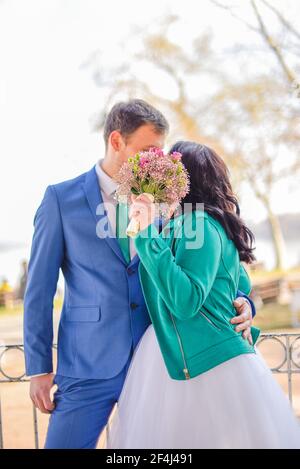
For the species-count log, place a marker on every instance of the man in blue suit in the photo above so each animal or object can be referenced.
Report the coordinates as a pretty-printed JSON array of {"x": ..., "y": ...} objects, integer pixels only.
[{"x": 104, "y": 313}]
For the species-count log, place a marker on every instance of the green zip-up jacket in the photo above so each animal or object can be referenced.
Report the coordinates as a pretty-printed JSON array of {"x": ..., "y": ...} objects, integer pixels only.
[{"x": 190, "y": 274}]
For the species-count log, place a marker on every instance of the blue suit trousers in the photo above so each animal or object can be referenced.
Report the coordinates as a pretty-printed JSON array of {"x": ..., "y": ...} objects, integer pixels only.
[{"x": 82, "y": 409}]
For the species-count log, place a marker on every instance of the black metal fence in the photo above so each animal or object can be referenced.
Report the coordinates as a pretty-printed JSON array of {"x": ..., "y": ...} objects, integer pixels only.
[{"x": 289, "y": 364}]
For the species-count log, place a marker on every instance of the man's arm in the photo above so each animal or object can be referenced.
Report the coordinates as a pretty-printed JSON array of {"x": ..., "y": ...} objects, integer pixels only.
[
  {"x": 45, "y": 260},
  {"x": 244, "y": 306}
]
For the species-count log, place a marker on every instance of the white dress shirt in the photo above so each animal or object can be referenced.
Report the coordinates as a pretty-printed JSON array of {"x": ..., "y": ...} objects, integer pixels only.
[{"x": 108, "y": 187}]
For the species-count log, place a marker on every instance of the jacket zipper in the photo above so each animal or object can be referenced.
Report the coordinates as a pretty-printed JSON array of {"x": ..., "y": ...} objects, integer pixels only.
[
  {"x": 185, "y": 369},
  {"x": 209, "y": 320}
]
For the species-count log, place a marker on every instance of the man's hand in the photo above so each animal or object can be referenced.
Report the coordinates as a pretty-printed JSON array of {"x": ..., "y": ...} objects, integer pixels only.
[
  {"x": 40, "y": 387},
  {"x": 243, "y": 318}
]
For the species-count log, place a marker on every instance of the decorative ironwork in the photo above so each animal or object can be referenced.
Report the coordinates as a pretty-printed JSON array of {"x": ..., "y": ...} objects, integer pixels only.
[
  {"x": 288, "y": 363},
  {"x": 7, "y": 377}
]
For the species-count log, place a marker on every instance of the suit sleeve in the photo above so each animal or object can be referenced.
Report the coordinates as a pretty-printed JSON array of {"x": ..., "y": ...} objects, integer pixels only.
[
  {"x": 183, "y": 281},
  {"x": 46, "y": 258}
]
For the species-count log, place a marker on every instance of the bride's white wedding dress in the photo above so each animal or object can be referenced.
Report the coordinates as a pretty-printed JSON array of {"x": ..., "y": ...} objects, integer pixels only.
[{"x": 237, "y": 404}]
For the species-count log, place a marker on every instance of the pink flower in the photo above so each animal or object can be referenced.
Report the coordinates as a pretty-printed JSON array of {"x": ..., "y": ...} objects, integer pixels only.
[
  {"x": 144, "y": 160},
  {"x": 157, "y": 151},
  {"x": 176, "y": 156}
]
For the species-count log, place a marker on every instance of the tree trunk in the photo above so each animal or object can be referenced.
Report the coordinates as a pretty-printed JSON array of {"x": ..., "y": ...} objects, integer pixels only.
[
  {"x": 278, "y": 240},
  {"x": 276, "y": 231}
]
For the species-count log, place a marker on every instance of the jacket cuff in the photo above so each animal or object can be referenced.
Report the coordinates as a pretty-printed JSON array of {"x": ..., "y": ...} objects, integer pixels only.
[
  {"x": 149, "y": 240},
  {"x": 35, "y": 365},
  {"x": 150, "y": 231}
]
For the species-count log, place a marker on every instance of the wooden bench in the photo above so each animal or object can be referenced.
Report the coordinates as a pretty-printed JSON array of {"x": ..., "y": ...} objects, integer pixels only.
[{"x": 268, "y": 291}]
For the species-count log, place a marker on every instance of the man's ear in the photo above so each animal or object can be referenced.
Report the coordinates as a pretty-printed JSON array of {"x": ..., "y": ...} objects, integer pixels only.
[{"x": 115, "y": 140}]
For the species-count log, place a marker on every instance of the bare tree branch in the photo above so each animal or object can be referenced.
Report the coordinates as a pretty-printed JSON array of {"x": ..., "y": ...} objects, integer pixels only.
[
  {"x": 229, "y": 9},
  {"x": 272, "y": 44},
  {"x": 262, "y": 30},
  {"x": 282, "y": 19}
]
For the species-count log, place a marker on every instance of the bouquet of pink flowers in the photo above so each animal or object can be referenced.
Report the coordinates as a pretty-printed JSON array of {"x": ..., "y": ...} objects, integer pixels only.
[{"x": 162, "y": 177}]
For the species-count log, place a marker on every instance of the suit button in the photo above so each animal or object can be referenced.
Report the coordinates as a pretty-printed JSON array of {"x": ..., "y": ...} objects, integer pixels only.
[
  {"x": 130, "y": 271},
  {"x": 133, "y": 305}
]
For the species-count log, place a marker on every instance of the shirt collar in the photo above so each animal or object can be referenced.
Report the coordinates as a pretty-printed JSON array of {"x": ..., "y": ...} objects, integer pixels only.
[{"x": 107, "y": 184}]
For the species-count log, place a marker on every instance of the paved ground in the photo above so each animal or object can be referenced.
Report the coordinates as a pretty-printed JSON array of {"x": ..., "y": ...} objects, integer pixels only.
[{"x": 16, "y": 405}]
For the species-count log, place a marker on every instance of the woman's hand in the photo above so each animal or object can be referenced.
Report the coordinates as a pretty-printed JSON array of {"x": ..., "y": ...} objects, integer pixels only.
[
  {"x": 142, "y": 209},
  {"x": 243, "y": 318}
]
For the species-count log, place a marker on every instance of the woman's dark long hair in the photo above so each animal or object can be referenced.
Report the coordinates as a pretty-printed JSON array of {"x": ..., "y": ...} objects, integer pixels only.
[{"x": 210, "y": 185}]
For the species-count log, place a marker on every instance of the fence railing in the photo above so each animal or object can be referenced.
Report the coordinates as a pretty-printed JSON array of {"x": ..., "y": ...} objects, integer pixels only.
[{"x": 288, "y": 364}]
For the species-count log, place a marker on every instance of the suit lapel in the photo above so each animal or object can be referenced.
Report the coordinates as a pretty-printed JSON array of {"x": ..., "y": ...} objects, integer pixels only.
[
  {"x": 94, "y": 198},
  {"x": 134, "y": 260}
]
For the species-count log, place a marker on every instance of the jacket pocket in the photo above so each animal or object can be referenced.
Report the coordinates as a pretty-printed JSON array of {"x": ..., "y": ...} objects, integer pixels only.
[
  {"x": 83, "y": 313},
  {"x": 212, "y": 323}
]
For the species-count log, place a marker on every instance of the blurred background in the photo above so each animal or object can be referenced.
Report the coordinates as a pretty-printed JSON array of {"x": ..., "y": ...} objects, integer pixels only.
[{"x": 225, "y": 73}]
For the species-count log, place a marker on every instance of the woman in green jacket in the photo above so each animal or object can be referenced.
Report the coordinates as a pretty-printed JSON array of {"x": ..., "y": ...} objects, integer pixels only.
[{"x": 194, "y": 381}]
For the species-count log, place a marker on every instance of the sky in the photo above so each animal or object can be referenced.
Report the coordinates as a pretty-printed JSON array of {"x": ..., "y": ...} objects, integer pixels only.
[{"x": 47, "y": 98}]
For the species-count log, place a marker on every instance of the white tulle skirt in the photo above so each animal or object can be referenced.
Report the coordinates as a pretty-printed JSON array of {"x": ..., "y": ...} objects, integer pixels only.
[{"x": 237, "y": 404}]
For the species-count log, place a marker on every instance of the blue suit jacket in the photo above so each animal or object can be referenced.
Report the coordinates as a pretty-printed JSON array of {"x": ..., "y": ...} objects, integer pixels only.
[{"x": 104, "y": 313}]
